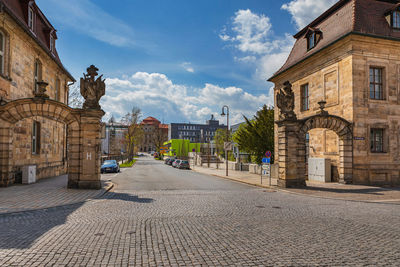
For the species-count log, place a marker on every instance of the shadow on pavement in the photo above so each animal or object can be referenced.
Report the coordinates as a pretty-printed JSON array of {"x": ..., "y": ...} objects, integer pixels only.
[
  {"x": 126, "y": 197},
  {"x": 19, "y": 230},
  {"x": 369, "y": 191}
]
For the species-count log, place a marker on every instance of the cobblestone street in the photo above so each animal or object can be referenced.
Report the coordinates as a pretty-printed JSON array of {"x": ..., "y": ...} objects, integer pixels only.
[{"x": 160, "y": 216}]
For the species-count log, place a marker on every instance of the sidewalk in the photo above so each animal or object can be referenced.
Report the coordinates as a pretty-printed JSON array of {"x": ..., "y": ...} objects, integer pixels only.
[
  {"x": 323, "y": 190},
  {"x": 46, "y": 193}
]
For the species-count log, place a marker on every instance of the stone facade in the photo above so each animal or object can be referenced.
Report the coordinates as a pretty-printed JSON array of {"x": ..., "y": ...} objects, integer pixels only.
[
  {"x": 339, "y": 73},
  {"x": 17, "y": 82},
  {"x": 154, "y": 134}
]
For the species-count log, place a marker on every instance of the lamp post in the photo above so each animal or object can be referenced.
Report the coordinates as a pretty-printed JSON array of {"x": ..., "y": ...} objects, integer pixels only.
[{"x": 227, "y": 134}]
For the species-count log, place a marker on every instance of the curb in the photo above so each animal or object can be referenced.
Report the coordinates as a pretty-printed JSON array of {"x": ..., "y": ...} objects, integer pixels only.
[
  {"x": 98, "y": 196},
  {"x": 388, "y": 201}
]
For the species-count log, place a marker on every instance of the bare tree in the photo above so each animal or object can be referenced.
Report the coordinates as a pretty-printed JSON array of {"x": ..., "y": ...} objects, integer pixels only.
[
  {"x": 158, "y": 137},
  {"x": 134, "y": 134}
]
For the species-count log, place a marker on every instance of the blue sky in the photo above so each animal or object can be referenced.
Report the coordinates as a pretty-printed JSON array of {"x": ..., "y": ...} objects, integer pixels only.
[{"x": 180, "y": 60}]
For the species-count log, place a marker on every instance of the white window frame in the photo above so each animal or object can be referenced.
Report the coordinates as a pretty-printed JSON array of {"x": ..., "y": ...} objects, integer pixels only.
[
  {"x": 51, "y": 43},
  {"x": 57, "y": 85},
  {"x": 36, "y": 75},
  {"x": 31, "y": 19}
]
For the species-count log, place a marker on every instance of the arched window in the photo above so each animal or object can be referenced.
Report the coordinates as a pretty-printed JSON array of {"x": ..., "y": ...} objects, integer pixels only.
[
  {"x": 37, "y": 74},
  {"x": 2, "y": 51}
]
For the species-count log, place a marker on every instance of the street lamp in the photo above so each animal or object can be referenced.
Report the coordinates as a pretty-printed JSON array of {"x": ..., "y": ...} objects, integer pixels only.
[{"x": 227, "y": 134}]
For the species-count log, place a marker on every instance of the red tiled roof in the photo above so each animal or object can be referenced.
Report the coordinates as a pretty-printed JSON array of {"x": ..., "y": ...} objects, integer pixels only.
[
  {"x": 345, "y": 17},
  {"x": 18, "y": 9},
  {"x": 150, "y": 120}
]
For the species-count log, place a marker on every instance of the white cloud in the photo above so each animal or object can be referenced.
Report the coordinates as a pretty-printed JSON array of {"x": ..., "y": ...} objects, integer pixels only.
[
  {"x": 305, "y": 11},
  {"x": 256, "y": 44},
  {"x": 155, "y": 94},
  {"x": 188, "y": 67},
  {"x": 86, "y": 17},
  {"x": 250, "y": 31}
]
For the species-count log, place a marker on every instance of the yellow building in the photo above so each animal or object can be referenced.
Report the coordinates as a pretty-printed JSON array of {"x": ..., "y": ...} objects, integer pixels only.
[
  {"x": 348, "y": 57},
  {"x": 28, "y": 55}
]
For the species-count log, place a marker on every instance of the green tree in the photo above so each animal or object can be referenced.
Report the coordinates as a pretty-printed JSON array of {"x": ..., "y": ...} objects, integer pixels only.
[
  {"x": 220, "y": 139},
  {"x": 256, "y": 136}
]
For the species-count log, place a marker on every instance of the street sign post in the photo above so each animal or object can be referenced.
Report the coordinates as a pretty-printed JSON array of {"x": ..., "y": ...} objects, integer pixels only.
[{"x": 266, "y": 171}]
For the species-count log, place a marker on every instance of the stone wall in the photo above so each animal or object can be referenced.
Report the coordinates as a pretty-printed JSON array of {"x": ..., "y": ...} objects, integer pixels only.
[
  {"x": 18, "y": 82},
  {"x": 339, "y": 75}
]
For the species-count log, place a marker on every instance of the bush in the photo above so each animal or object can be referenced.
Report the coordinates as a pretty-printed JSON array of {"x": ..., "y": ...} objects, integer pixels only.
[{"x": 128, "y": 164}]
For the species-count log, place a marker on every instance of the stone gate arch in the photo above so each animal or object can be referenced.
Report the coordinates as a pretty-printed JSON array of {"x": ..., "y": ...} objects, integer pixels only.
[
  {"x": 292, "y": 147},
  {"x": 343, "y": 129},
  {"x": 83, "y": 134}
]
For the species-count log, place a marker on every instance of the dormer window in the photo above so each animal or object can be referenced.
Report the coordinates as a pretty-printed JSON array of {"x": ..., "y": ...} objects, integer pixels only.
[
  {"x": 311, "y": 41},
  {"x": 313, "y": 36},
  {"x": 30, "y": 18},
  {"x": 51, "y": 43},
  {"x": 396, "y": 19},
  {"x": 393, "y": 17}
]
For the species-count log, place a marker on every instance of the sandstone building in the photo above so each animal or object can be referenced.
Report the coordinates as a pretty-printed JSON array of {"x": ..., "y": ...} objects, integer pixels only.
[
  {"x": 155, "y": 134},
  {"x": 348, "y": 57},
  {"x": 28, "y": 55}
]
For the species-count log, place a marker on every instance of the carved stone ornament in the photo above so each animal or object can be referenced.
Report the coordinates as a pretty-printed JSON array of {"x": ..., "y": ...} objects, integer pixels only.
[
  {"x": 92, "y": 90},
  {"x": 285, "y": 102},
  {"x": 41, "y": 91}
]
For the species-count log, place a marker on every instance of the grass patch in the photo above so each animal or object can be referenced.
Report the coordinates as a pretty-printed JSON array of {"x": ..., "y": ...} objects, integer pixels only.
[{"x": 128, "y": 164}]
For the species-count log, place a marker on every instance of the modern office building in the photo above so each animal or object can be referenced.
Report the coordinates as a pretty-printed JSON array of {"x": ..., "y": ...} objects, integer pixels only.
[{"x": 195, "y": 133}]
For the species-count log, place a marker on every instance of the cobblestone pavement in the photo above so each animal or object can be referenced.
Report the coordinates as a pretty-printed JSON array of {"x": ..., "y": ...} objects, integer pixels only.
[
  {"x": 45, "y": 193},
  {"x": 222, "y": 224},
  {"x": 324, "y": 190}
]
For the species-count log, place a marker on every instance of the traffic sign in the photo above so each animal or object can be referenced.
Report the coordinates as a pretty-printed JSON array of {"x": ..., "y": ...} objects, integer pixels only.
[
  {"x": 268, "y": 154},
  {"x": 266, "y": 166},
  {"x": 266, "y": 160},
  {"x": 193, "y": 150}
]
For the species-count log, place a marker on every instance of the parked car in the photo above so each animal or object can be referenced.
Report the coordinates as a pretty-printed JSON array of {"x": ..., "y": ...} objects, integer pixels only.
[
  {"x": 166, "y": 161},
  {"x": 183, "y": 164},
  {"x": 170, "y": 161},
  {"x": 175, "y": 163},
  {"x": 110, "y": 166}
]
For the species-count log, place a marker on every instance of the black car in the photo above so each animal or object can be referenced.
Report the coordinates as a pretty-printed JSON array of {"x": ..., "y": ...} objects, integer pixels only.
[{"x": 110, "y": 166}]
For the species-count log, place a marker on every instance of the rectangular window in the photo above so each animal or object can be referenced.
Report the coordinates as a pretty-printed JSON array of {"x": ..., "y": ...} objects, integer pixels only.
[
  {"x": 30, "y": 19},
  {"x": 311, "y": 41},
  {"x": 57, "y": 89},
  {"x": 376, "y": 137},
  {"x": 305, "y": 97},
  {"x": 396, "y": 20},
  {"x": 37, "y": 74},
  {"x": 51, "y": 43},
  {"x": 36, "y": 138},
  {"x": 375, "y": 83}
]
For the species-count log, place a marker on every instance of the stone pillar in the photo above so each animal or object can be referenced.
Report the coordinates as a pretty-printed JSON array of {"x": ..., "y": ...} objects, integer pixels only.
[
  {"x": 291, "y": 165},
  {"x": 90, "y": 138},
  {"x": 6, "y": 177},
  {"x": 346, "y": 159},
  {"x": 74, "y": 155}
]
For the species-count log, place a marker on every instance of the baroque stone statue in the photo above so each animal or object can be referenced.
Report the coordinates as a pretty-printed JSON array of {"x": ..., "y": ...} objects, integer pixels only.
[
  {"x": 285, "y": 102},
  {"x": 92, "y": 90}
]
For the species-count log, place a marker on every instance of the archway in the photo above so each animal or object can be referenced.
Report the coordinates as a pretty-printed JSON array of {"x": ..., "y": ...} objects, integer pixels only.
[
  {"x": 292, "y": 147},
  {"x": 343, "y": 129},
  {"x": 83, "y": 131}
]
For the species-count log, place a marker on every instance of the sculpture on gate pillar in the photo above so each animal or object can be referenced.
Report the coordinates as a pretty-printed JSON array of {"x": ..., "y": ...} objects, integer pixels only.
[
  {"x": 285, "y": 102},
  {"x": 92, "y": 90}
]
